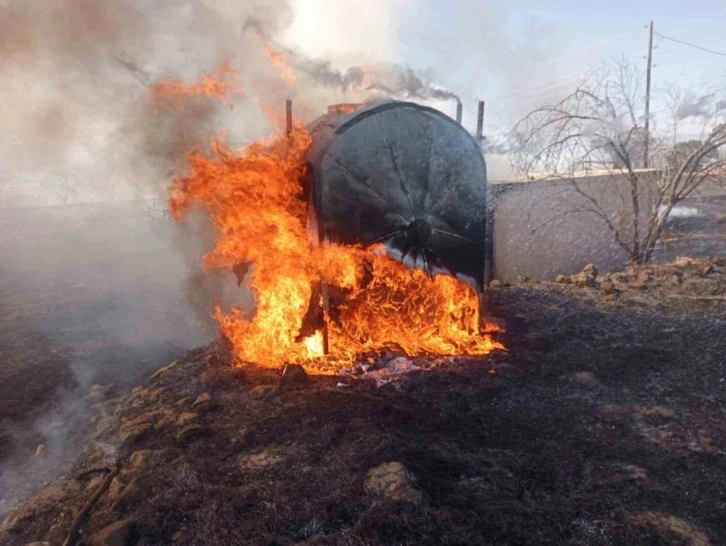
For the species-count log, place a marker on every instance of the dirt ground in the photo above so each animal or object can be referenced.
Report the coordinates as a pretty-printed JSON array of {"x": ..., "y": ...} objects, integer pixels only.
[
  {"x": 700, "y": 235},
  {"x": 602, "y": 424}
]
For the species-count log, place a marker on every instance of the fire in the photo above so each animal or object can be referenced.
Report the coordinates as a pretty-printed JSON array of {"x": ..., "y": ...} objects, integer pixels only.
[
  {"x": 254, "y": 198},
  {"x": 279, "y": 61},
  {"x": 218, "y": 85},
  {"x": 343, "y": 109}
]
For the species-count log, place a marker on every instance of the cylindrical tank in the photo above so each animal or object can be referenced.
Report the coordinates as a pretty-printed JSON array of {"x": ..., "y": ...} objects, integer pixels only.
[{"x": 402, "y": 174}]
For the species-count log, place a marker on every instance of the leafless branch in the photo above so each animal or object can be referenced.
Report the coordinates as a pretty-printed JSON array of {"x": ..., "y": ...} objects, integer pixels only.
[{"x": 598, "y": 125}]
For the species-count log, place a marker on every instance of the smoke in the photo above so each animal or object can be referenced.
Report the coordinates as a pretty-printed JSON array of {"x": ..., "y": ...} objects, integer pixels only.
[
  {"x": 698, "y": 108},
  {"x": 76, "y": 97},
  {"x": 77, "y": 74},
  {"x": 392, "y": 79},
  {"x": 80, "y": 126}
]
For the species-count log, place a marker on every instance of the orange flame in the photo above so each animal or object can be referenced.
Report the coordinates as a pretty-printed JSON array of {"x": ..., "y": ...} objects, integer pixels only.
[
  {"x": 255, "y": 200},
  {"x": 343, "y": 109},
  {"x": 218, "y": 85},
  {"x": 278, "y": 60}
]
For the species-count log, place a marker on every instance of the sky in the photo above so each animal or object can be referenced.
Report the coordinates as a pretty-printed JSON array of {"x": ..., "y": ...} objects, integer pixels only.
[
  {"x": 516, "y": 53},
  {"x": 72, "y": 113}
]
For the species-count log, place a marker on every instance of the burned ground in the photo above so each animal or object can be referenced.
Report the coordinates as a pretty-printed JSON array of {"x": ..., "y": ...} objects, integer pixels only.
[{"x": 602, "y": 424}]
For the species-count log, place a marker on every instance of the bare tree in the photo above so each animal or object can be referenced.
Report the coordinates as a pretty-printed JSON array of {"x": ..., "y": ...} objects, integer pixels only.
[{"x": 598, "y": 130}]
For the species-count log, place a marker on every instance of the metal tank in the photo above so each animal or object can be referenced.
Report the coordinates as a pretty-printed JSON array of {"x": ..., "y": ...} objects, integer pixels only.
[{"x": 405, "y": 175}]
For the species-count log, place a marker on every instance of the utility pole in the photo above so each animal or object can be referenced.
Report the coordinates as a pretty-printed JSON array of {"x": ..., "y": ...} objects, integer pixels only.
[{"x": 647, "y": 95}]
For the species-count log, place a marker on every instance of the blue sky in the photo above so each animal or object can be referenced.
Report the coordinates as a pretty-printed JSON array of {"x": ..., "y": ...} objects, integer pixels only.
[{"x": 515, "y": 54}]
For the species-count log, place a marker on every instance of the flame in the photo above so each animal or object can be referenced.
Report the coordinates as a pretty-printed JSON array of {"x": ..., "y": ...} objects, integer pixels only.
[
  {"x": 254, "y": 198},
  {"x": 278, "y": 60},
  {"x": 343, "y": 109},
  {"x": 218, "y": 85}
]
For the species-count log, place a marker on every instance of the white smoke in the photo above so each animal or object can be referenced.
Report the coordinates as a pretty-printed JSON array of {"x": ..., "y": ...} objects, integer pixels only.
[{"x": 79, "y": 124}]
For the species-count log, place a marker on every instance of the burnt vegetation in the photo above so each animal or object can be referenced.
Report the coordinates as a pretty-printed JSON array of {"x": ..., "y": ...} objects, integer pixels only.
[{"x": 596, "y": 427}]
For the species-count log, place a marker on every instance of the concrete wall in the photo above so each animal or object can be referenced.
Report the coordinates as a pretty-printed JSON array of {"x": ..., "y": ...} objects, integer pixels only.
[{"x": 545, "y": 228}]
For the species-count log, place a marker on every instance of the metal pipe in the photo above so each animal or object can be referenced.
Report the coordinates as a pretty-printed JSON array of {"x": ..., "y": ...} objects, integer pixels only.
[
  {"x": 480, "y": 123},
  {"x": 288, "y": 118}
]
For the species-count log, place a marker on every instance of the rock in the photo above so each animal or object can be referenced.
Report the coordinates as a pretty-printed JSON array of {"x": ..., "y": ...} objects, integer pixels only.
[
  {"x": 129, "y": 496},
  {"x": 95, "y": 482},
  {"x": 295, "y": 376},
  {"x": 256, "y": 461},
  {"x": 142, "y": 460},
  {"x": 495, "y": 284},
  {"x": 682, "y": 261},
  {"x": 261, "y": 391},
  {"x": 116, "y": 534},
  {"x": 99, "y": 393},
  {"x": 583, "y": 279},
  {"x": 46, "y": 500},
  {"x": 644, "y": 276},
  {"x": 587, "y": 379},
  {"x": 671, "y": 527},
  {"x": 41, "y": 449},
  {"x": 607, "y": 287},
  {"x": 167, "y": 419},
  {"x": 631, "y": 271},
  {"x": 204, "y": 403},
  {"x": 562, "y": 279},
  {"x": 193, "y": 432},
  {"x": 153, "y": 396},
  {"x": 186, "y": 418},
  {"x": 590, "y": 269},
  {"x": 135, "y": 430},
  {"x": 611, "y": 297},
  {"x": 115, "y": 489},
  {"x": 392, "y": 481}
]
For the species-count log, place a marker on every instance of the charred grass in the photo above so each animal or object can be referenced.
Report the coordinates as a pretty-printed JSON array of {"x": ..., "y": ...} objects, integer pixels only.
[{"x": 591, "y": 427}]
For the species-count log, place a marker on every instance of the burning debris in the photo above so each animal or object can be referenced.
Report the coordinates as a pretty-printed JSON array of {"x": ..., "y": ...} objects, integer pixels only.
[{"x": 305, "y": 222}]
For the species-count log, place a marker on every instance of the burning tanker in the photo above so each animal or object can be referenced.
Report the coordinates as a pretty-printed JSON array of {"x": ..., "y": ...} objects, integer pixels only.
[
  {"x": 405, "y": 175},
  {"x": 310, "y": 222}
]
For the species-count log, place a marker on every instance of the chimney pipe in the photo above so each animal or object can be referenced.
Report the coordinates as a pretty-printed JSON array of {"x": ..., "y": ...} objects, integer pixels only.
[
  {"x": 458, "y": 113},
  {"x": 480, "y": 123}
]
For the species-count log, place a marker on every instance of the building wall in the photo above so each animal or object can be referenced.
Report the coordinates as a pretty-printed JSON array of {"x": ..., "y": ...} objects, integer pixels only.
[{"x": 545, "y": 228}]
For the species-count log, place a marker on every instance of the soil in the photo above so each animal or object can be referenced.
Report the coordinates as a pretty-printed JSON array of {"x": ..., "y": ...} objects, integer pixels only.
[{"x": 602, "y": 424}]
